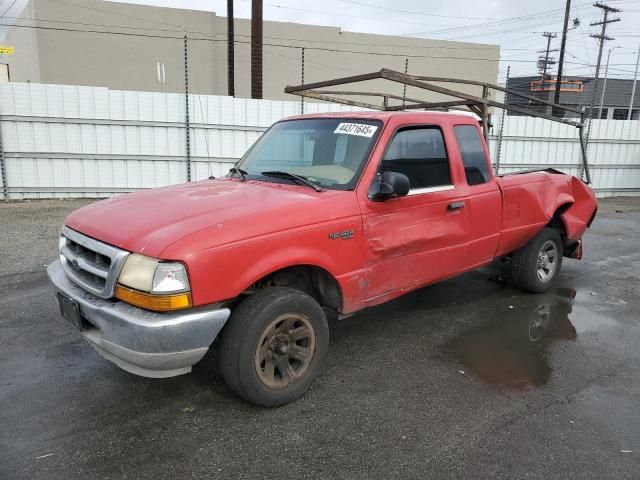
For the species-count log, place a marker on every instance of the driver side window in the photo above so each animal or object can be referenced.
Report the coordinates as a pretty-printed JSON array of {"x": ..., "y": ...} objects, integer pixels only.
[{"x": 420, "y": 154}]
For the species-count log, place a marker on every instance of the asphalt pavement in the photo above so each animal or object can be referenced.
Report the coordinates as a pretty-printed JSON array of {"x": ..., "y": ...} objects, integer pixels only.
[{"x": 469, "y": 378}]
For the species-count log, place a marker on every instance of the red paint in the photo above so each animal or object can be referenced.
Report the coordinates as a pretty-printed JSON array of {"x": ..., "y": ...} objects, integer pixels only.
[{"x": 231, "y": 233}]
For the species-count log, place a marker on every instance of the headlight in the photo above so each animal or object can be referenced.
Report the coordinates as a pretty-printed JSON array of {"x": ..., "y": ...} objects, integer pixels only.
[
  {"x": 138, "y": 272},
  {"x": 152, "y": 284}
]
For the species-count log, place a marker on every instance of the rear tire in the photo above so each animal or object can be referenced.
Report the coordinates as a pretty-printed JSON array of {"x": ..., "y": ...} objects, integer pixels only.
[
  {"x": 536, "y": 266},
  {"x": 274, "y": 346}
]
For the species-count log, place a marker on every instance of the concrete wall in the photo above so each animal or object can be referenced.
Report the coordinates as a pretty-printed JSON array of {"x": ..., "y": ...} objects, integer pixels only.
[{"x": 126, "y": 61}]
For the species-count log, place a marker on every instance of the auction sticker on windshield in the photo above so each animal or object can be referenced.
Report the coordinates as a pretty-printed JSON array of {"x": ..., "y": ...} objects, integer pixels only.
[{"x": 360, "y": 129}]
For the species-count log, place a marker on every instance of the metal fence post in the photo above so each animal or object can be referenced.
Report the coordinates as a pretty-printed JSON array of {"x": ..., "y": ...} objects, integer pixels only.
[
  {"x": 404, "y": 87},
  {"x": 187, "y": 122},
  {"x": 3, "y": 168},
  {"x": 504, "y": 112},
  {"x": 302, "y": 80}
]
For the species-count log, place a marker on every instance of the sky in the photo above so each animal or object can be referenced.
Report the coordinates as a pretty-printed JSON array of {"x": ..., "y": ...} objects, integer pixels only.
[{"x": 517, "y": 25}]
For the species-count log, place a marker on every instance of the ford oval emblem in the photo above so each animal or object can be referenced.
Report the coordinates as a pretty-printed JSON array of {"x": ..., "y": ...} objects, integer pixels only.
[{"x": 75, "y": 264}]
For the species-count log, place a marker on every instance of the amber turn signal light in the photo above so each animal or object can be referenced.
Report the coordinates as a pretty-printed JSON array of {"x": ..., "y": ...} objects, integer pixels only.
[{"x": 157, "y": 303}]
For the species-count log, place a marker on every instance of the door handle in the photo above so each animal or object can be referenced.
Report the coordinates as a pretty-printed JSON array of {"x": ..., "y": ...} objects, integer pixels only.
[{"x": 455, "y": 206}]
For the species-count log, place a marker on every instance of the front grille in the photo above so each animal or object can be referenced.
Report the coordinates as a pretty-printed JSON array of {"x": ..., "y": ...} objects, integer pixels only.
[{"x": 91, "y": 264}]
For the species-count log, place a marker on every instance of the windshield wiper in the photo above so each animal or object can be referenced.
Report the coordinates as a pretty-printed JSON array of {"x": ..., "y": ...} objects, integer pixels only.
[
  {"x": 294, "y": 177},
  {"x": 243, "y": 174}
]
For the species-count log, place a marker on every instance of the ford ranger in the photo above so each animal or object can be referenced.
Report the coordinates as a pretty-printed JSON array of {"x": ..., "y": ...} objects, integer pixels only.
[{"x": 325, "y": 213}]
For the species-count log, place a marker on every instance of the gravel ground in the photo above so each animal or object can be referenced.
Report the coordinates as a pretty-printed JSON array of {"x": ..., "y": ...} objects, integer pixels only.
[
  {"x": 469, "y": 378},
  {"x": 36, "y": 224}
]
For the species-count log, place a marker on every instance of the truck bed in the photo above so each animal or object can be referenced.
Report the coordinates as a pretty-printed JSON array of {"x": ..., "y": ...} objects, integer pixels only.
[{"x": 533, "y": 199}]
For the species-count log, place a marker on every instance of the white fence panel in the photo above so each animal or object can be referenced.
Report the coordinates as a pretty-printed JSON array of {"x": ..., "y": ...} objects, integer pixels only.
[
  {"x": 75, "y": 141},
  {"x": 613, "y": 151}
]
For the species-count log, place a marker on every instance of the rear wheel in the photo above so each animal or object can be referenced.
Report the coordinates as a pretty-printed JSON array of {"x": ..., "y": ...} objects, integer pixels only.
[
  {"x": 273, "y": 346},
  {"x": 536, "y": 265}
]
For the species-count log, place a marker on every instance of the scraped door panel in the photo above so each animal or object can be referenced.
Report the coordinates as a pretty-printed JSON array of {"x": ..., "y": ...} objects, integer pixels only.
[{"x": 414, "y": 240}]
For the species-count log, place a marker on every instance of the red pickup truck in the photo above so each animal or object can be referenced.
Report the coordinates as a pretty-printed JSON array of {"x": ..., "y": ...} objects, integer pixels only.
[{"x": 325, "y": 213}]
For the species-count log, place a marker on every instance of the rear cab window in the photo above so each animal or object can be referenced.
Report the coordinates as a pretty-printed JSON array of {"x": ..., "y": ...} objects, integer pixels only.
[
  {"x": 420, "y": 154},
  {"x": 473, "y": 155}
]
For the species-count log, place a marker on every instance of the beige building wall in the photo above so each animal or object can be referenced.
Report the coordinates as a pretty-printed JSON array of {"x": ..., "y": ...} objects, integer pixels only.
[
  {"x": 23, "y": 64},
  {"x": 124, "y": 45}
]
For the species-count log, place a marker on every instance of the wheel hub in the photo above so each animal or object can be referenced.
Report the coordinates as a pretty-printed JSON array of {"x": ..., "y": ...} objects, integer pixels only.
[
  {"x": 547, "y": 261},
  {"x": 278, "y": 345},
  {"x": 285, "y": 350}
]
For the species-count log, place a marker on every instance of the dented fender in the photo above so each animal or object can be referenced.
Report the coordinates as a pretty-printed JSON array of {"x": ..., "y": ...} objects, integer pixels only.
[
  {"x": 531, "y": 200},
  {"x": 578, "y": 217}
]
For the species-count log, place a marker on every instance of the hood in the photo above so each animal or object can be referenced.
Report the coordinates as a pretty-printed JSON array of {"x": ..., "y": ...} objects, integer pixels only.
[{"x": 149, "y": 221}]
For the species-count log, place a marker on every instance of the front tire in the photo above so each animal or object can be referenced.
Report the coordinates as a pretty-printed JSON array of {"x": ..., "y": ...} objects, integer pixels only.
[
  {"x": 536, "y": 266},
  {"x": 274, "y": 346}
]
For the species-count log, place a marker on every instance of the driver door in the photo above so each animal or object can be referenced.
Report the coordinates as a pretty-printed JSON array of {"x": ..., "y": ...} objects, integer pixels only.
[{"x": 419, "y": 238}]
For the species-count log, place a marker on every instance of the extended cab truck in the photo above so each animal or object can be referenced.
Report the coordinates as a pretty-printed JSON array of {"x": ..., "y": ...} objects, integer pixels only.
[{"x": 333, "y": 212}]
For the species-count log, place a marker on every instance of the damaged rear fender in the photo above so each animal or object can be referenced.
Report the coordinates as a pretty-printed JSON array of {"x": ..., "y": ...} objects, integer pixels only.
[{"x": 578, "y": 217}]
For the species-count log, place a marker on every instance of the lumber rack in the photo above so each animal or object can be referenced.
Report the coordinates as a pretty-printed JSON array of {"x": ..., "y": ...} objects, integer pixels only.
[{"x": 455, "y": 100}]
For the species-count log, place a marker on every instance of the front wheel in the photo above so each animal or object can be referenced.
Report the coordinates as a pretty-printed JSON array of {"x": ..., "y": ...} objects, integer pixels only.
[
  {"x": 273, "y": 346},
  {"x": 536, "y": 265}
]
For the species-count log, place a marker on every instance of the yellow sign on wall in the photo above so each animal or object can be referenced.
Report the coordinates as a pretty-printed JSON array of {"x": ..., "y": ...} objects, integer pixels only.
[{"x": 6, "y": 50}]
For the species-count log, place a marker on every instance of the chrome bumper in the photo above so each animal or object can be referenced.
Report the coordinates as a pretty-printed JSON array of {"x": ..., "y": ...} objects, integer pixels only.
[{"x": 145, "y": 343}]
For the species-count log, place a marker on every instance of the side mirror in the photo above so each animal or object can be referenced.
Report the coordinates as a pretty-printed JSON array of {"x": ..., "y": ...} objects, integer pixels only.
[{"x": 389, "y": 185}]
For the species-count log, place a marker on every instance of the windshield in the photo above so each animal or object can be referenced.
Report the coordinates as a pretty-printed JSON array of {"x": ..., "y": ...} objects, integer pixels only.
[{"x": 329, "y": 152}]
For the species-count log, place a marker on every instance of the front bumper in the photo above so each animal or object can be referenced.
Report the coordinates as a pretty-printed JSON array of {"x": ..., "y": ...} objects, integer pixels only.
[{"x": 145, "y": 343}]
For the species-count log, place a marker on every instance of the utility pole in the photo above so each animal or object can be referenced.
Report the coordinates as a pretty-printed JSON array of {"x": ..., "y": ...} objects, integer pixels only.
[
  {"x": 633, "y": 89},
  {"x": 231, "y": 89},
  {"x": 256, "y": 48},
  {"x": 602, "y": 37},
  {"x": 556, "y": 99},
  {"x": 545, "y": 62},
  {"x": 604, "y": 83}
]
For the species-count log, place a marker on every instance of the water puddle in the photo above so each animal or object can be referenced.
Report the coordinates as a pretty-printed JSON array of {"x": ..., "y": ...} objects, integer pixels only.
[{"x": 510, "y": 349}]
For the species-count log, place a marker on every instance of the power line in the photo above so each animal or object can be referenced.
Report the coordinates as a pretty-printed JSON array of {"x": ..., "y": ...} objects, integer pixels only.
[
  {"x": 286, "y": 46},
  {"x": 545, "y": 13},
  {"x": 110, "y": 12},
  {"x": 346, "y": 15},
  {"x": 102, "y": 25},
  {"x": 412, "y": 12},
  {"x": 334, "y": 50},
  {"x": 9, "y": 8},
  {"x": 500, "y": 32},
  {"x": 368, "y": 44},
  {"x": 517, "y": 19}
]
